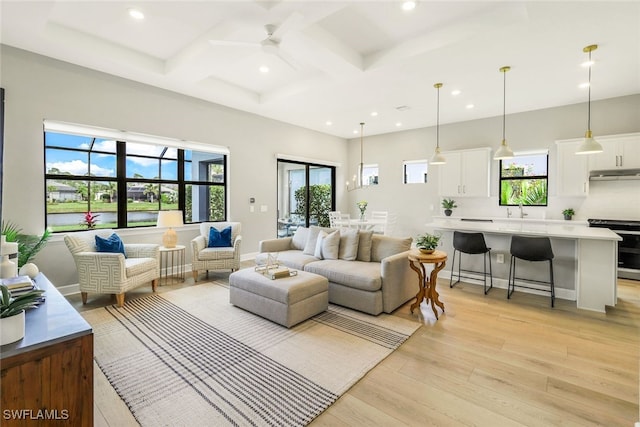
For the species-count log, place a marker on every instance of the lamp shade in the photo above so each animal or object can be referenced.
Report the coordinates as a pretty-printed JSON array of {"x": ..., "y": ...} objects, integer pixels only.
[
  {"x": 171, "y": 220},
  {"x": 589, "y": 145},
  {"x": 504, "y": 152},
  {"x": 438, "y": 158}
]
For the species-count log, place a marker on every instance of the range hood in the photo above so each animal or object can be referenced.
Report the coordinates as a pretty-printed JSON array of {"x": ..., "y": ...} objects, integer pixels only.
[{"x": 614, "y": 174}]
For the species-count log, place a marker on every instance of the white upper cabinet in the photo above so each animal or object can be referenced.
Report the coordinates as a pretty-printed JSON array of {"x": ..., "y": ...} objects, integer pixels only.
[
  {"x": 466, "y": 173},
  {"x": 620, "y": 152},
  {"x": 572, "y": 170}
]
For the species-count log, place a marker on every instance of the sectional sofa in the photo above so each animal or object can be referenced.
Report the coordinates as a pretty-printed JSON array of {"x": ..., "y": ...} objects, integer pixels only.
[{"x": 366, "y": 272}]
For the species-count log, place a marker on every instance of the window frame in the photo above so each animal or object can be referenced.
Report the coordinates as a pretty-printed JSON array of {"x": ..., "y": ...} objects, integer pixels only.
[
  {"x": 545, "y": 178},
  {"x": 405, "y": 163},
  {"x": 122, "y": 181}
]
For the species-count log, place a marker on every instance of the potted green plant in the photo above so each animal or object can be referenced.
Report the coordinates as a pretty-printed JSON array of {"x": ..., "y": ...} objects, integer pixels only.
[
  {"x": 427, "y": 243},
  {"x": 28, "y": 244},
  {"x": 448, "y": 205},
  {"x": 12, "y": 313},
  {"x": 568, "y": 213}
]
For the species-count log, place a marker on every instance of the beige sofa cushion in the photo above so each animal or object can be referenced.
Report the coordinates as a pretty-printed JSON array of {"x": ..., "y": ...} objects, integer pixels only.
[
  {"x": 364, "y": 245},
  {"x": 348, "y": 250},
  {"x": 300, "y": 238},
  {"x": 384, "y": 246},
  {"x": 292, "y": 258},
  {"x": 355, "y": 274}
]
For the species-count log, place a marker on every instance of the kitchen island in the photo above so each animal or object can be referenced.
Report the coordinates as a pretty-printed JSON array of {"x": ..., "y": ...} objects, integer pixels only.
[{"x": 587, "y": 257}]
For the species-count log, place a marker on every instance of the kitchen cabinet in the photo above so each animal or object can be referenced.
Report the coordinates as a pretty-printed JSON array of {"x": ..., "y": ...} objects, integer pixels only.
[
  {"x": 620, "y": 152},
  {"x": 466, "y": 173},
  {"x": 572, "y": 170}
]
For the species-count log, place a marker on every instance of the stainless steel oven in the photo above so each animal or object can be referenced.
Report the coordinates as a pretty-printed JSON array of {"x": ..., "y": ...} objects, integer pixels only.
[{"x": 628, "y": 248}]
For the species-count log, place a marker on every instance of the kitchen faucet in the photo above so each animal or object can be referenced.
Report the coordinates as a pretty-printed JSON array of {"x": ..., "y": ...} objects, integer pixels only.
[{"x": 522, "y": 214}]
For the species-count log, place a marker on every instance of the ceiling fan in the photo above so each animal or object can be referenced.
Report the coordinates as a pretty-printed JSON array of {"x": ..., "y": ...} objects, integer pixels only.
[{"x": 270, "y": 45}]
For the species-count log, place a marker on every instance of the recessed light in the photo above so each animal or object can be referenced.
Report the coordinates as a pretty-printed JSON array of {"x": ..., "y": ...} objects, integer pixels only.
[
  {"x": 408, "y": 5},
  {"x": 583, "y": 85},
  {"x": 355, "y": 131},
  {"x": 264, "y": 69},
  {"x": 328, "y": 122},
  {"x": 469, "y": 106},
  {"x": 374, "y": 113},
  {"x": 587, "y": 64},
  {"x": 456, "y": 92},
  {"x": 136, "y": 14},
  {"x": 398, "y": 124}
]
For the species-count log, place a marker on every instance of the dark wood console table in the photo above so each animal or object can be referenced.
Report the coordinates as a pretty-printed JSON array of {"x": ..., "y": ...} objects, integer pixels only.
[{"x": 47, "y": 377}]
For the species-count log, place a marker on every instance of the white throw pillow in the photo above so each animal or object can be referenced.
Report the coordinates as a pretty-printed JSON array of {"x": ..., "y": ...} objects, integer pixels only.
[
  {"x": 312, "y": 237},
  {"x": 348, "y": 244},
  {"x": 299, "y": 239},
  {"x": 318, "y": 249},
  {"x": 330, "y": 245},
  {"x": 364, "y": 245}
]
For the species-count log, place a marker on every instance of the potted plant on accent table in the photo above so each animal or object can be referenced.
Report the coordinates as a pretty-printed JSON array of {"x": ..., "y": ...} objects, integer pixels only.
[
  {"x": 568, "y": 213},
  {"x": 12, "y": 313},
  {"x": 448, "y": 204},
  {"x": 427, "y": 243}
]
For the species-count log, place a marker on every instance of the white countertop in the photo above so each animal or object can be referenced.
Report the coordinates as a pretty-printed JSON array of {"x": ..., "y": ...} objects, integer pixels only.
[
  {"x": 512, "y": 219},
  {"x": 549, "y": 228}
]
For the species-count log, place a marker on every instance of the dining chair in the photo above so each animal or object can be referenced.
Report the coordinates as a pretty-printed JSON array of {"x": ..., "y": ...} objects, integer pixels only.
[{"x": 380, "y": 215}]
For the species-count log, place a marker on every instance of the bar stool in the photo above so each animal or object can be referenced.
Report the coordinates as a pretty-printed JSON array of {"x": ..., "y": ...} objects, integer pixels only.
[
  {"x": 474, "y": 244},
  {"x": 531, "y": 249}
]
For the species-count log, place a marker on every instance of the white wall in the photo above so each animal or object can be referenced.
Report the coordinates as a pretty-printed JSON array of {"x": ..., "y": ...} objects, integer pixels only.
[
  {"x": 40, "y": 88},
  {"x": 525, "y": 131}
]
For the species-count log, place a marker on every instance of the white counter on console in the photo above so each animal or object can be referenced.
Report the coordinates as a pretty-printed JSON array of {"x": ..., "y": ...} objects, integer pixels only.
[{"x": 595, "y": 252}]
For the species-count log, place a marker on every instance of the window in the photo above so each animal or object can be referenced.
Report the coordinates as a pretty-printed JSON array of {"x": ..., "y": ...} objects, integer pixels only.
[
  {"x": 87, "y": 173},
  {"x": 369, "y": 174},
  {"x": 523, "y": 180},
  {"x": 415, "y": 171}
]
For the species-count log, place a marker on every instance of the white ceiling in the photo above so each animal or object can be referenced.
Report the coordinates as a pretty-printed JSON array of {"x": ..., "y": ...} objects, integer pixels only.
[{"x": 351, "y": 57}]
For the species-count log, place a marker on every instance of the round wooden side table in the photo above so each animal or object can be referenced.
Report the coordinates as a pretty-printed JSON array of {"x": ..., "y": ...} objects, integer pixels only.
[{"x": 427, "y": 285}]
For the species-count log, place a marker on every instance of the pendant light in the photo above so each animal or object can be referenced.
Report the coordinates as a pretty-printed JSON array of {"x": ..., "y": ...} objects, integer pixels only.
[
  {"x": 358, "y": 181},
  {"x": 438, "y": 159},
  {"x": 589, "y": 145},
  {"x": 504, "y": 152}
]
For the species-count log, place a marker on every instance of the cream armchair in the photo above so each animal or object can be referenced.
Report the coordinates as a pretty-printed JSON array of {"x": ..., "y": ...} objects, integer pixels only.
[
  {"x": 112, "y": 273},
  {"x": 205, "y": 258}
]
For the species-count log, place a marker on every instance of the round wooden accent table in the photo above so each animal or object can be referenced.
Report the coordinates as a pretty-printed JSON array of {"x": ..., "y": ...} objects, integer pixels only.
[{"x": 427, "y": 286}]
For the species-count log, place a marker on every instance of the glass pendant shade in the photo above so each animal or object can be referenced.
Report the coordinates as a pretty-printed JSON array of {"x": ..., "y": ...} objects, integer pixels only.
[
  {"x": 504, "y": 152},
  {"x": 438, "y": 158},
  {"x": 589, "y": 145}
]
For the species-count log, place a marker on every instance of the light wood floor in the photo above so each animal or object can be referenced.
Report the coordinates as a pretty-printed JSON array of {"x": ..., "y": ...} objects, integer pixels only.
[{"x": 488, "y": 361}]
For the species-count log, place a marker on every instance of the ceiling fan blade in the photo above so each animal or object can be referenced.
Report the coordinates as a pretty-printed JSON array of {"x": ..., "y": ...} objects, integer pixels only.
[
  {"x": 290, "y": 22},
  {"x": 234, "y": 43},
  {"x": 288, "y": 59}
]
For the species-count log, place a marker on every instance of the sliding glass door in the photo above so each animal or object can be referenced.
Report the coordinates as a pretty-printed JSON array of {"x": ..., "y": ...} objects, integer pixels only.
[{"x": 305, "y": 195}]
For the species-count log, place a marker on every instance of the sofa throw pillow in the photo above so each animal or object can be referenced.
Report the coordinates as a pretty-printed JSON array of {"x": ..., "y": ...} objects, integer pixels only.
[
  {"x": 317, "y": 251},
  {"x": 384, "y": 246},
  {"x": 364, "y": 245},
  {"x": 220, "y": 238},
  {"x": 330, "y": 245},
  {"x": 348, "y": 250},
  {"x": 299, "y": 239},
  {"x": 312, "y": 238},
  {"x": 111, "y": 244}
]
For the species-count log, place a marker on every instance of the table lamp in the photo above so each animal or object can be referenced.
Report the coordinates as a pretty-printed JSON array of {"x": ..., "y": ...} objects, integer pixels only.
[
  {"x": 8, "y": 268},
  {"x": 170, "y": 219}
]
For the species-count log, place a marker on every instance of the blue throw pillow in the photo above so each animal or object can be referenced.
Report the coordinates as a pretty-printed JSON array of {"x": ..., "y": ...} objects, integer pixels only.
[
  {"x": 220, "y": 239},
  {"x": 111, "y": 244}
]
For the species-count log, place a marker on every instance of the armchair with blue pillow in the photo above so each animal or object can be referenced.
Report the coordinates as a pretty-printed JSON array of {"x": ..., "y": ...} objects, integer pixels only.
[
  {"x": 108, "y": 266},
  {"x": 216, "y": 248}
]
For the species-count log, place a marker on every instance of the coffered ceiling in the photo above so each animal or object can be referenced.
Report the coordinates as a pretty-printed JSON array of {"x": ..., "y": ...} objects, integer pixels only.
[{"x": 341, "y": 61}]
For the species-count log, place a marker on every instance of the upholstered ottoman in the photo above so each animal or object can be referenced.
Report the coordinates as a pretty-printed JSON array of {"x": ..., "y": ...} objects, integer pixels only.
[{"x": 287, "y": 301}]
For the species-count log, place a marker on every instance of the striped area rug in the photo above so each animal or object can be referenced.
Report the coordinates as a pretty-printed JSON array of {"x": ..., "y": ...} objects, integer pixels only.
[{"x": 188, "y": 357}]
